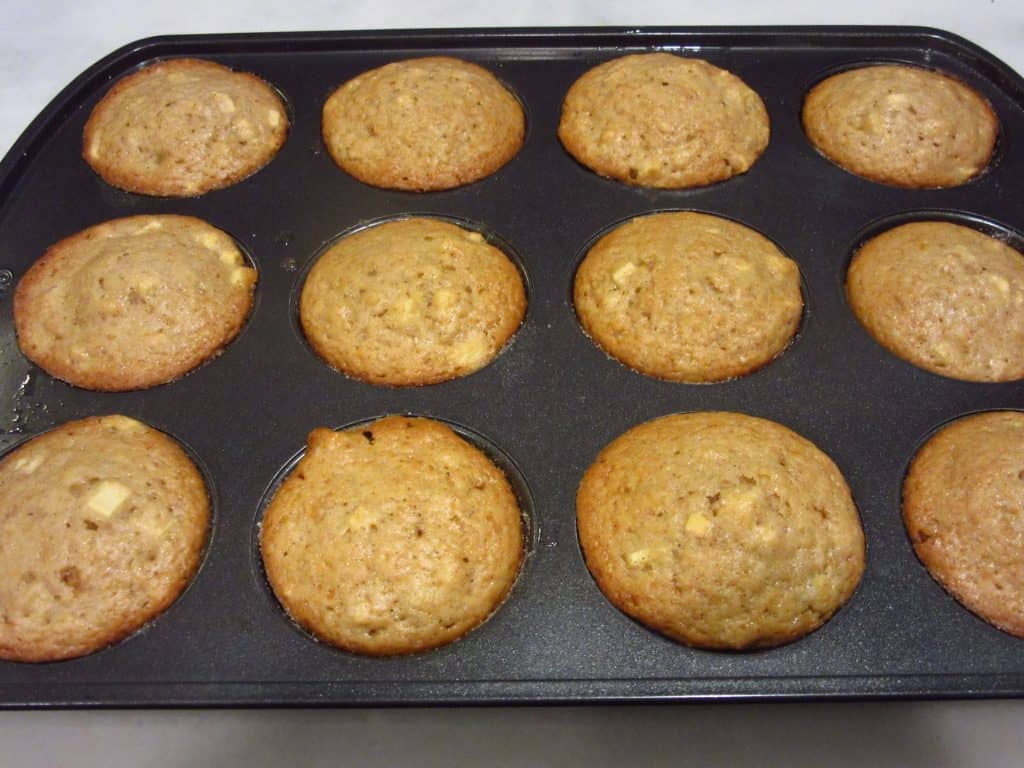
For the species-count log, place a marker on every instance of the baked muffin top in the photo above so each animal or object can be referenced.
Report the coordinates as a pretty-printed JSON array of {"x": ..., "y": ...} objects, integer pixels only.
[
  {"x": 720, "y": 530},
  {"x": 182, "y": 127},
  {"x": 688, "y": 296},
  {"x": 410, "y": 302},
  {"x": 902, "y": 125},
  {"x": 661, "y": 120},
  {"x": 393, "y": 537},
  {"x": 102, "y": 524},
  {"x": 133, "y": 302},
  {"x": 423, "y": 124},
  {"x": 963, "y": 500},
  {"x": 944, "y": 297}
]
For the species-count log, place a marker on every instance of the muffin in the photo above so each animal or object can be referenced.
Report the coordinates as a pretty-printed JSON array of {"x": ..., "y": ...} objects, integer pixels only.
[
  {"x": 944, "y": 297},
  {"x": 660, "y": 120},
  {"x": 962, "y": 504},
  {"x": 182, "y": 127},
  {"x": 423, "y": 124},
  {"x": 133, "y": 302},
  {"x": 410, "y": 302},
  {"x": 901, "y": 125},
  {"x": 688, "y": 297},
  {"x": 392, "y": 538},
  {"x": 720, "y": 530},
  {"x": 102, "y": 524}
]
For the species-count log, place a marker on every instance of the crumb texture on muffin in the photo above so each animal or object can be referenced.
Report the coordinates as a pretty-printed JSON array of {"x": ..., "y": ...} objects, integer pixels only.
[
  {"x": 393, "y": 537},
  {"x": 102, "y": 524},
  {"x": 944, "y": 297},
  {"x": 411, "y": 302},
  {"x": 182, "y": 127},
  {"x": 660, "y": 120},
  {"x": 963, "y": 506},
  {"x": 720, "y": 530},
  {"x": 133, "y": 302},
  {"x": 423, "y": 124},
  {"x": 902, "y": 125},
  {"x": 688, "y": 296}
]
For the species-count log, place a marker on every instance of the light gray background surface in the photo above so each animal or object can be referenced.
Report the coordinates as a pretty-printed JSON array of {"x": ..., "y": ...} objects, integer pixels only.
[{"x": 45, "y": 43}]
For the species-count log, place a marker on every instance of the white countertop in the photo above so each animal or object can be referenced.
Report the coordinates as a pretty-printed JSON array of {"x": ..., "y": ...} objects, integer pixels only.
[{"x": 45, "y": 43}]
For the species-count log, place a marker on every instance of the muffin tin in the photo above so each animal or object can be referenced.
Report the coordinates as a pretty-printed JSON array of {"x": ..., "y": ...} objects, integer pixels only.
[{"x": 548, "y": 403}]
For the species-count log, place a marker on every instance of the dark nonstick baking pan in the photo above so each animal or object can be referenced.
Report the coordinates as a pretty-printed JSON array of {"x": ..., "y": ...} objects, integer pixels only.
[{"x": 547, "y": 404}]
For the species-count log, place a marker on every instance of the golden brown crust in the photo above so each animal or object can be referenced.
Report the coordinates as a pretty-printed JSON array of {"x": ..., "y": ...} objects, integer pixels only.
[
  {"x": 720, "y": 530},
  {"x": 963, "y": 500},
  {"x": 944, "y": 297},
  {"x": 133, "y": 302},
  {"x": 411, "y": 302},
  {"x": 902, "y": 125},
  {"x": 392, "y": 538},
  {"x": 688, "y": 297},
  {"x": 660, "y": 120},
  {"x": 423, "y": 124},
  {"x": 182, "y": 127},
  {"x": 102, "y": 524}
]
